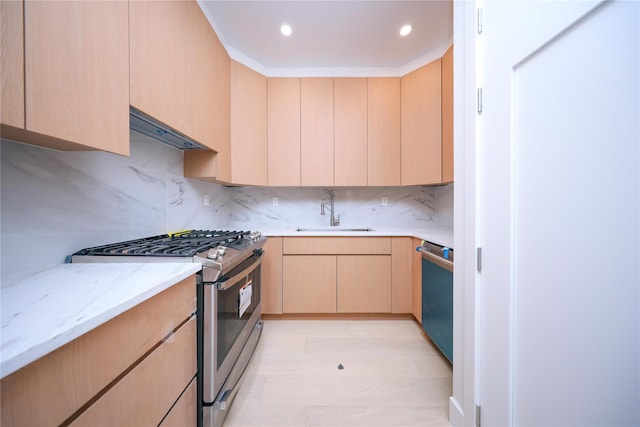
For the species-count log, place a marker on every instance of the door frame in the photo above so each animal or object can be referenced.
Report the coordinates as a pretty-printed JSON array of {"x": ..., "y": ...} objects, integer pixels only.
[{"x": 462, "y": 403}]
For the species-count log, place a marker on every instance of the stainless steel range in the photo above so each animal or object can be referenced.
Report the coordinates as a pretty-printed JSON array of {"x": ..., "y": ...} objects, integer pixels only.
[{"x": 229, "y": 307}]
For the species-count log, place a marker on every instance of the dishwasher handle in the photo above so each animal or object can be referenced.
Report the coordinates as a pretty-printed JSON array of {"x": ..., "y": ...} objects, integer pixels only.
[{"x": 435, "y": 259}]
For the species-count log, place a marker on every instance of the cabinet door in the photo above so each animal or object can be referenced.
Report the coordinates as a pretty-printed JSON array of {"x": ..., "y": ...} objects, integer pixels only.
[
  {"x": 350, "y": 131},
  {"x": 316, "y": 131},
  {"x": 272, "y": 276},
  {"x": 421, "y": 150},
  {"x": 77, "y": 72},
  {"x": 364, "y": 284},
  {"x": 447, "y": 116},
  {"x": 12, "y": 70},
  {"x": 208, "y": 101},
  {"x": 401, "y": 274},
  {"x": 309, "y": 283},
  {"x": 158, "y": 33},
  {"x": 248, "y": 126},
  {"x": 383, "y": 131},
  {"x": 283, "y": 128}
]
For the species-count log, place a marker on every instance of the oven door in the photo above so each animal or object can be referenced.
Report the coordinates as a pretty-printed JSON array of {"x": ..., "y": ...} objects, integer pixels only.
[{"x": 231, "y": 327}]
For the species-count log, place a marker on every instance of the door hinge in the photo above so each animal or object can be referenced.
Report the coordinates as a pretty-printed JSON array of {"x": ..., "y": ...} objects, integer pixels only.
[
  {"x": 479, "y": 259},
  {"x": 479, "y": 23},
  {"x": 479, "y": 100},
  {"x": 477, "y": 415}
]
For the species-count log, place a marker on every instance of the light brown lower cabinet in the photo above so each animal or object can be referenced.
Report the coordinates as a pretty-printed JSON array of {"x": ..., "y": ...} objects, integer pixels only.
[
  {"x": 309, "y": 284},
  {"x": 144, "y": 395},
  {"x": 364, "y": 284},
  {"x": 183, "y": 414},
  {"x": 272, "y": 276},
  {"x": 342, "y": 275},
  {"x": 128, "y": 371}
]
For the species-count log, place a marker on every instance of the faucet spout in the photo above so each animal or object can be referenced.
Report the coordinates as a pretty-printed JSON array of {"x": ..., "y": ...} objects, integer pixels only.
[{"x": 333, "y": 221}]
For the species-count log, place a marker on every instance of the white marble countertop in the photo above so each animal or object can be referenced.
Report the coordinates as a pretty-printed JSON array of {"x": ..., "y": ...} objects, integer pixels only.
[
  {"x": 45, "y": 310},
  {"x": 439, "y": 236}
]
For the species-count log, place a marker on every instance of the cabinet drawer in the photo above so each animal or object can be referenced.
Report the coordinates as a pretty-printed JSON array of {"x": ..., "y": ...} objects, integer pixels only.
[
  {"x": 183, "y": 414},
  {"x": 66, "y": 379},
  {"x": 336, "y": 245},
  {"x": 144, "y": 395}
]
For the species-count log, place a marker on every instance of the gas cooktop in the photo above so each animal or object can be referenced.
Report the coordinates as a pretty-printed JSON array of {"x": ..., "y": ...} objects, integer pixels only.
[
  {"x": 182, "y": 244},
  {"x": 215, "y": 249}
]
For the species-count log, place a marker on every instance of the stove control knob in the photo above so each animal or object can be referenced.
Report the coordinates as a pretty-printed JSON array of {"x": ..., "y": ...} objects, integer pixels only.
[
  {"x": 222, "y": 250},
  {"x": 212, "y": 254}
]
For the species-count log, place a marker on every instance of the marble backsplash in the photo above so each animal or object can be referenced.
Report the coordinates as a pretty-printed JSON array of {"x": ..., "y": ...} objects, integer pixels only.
[
  {"x": 268, "y": 207},
  {"x": 54, "y": 203}
]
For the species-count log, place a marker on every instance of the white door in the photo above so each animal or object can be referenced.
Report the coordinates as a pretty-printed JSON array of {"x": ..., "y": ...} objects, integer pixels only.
[{"x": 559, "y": 189}]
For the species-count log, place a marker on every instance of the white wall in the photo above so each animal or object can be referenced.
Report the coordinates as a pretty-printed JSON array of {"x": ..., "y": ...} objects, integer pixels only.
[{"x": 54, "y": 203}]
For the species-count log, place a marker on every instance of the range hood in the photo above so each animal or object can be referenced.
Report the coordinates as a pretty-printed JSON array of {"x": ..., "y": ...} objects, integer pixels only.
[{"x": 147, "y": 125}]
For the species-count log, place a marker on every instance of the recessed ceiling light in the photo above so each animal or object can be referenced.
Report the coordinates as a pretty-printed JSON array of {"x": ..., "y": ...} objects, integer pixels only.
[
  {"x": 285, "y": 29},
  {"x": 405, "y": 30}
]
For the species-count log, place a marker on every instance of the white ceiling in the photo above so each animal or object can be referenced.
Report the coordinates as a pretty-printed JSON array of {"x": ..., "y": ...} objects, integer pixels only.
[{"x": 332, "y": 37}]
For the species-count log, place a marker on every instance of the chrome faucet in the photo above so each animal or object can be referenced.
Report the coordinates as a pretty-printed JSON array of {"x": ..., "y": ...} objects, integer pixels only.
[{"x": 330, "y": 204}]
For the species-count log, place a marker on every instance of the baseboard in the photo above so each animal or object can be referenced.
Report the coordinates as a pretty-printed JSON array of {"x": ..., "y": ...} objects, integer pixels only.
[
  {"x": 338, "y": 316},
  {"x": 456, "y": 414}
]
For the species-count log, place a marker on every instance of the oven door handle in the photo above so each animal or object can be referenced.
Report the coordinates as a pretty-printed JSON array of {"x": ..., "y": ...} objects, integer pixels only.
[{"x": 222, "y": 286}]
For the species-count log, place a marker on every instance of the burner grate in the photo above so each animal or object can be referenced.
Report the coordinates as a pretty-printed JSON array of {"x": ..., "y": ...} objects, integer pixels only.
[{"x": 184, "y": 244}]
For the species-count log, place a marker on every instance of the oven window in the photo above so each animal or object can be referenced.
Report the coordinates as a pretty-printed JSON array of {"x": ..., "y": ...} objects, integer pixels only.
[{"x": 235, "y": 307}]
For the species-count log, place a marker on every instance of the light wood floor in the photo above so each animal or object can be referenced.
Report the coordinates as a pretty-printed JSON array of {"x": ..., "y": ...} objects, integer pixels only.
[{"x": 393, "y": 376}]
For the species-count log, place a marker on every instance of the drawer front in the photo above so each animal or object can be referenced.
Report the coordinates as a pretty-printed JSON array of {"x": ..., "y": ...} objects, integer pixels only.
[
  {"x": 336, "y": 245},
  {"x": 183, "y": 414},
  {"x": 66, "y": 379},
  {"x": 147, "y": 392}
]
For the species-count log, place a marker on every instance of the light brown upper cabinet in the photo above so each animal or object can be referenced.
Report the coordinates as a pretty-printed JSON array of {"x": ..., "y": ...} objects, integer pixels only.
[
  {"x": 12, "y": 57},
  {"x": 248, "y": 126},
  {"x": 76, "y": 74},
  {"x": 447, "y": 116},
  {"x": 210, "y": 68},
  {"x": 208, "y": 90},
  {"x": 383, "y": 131},
  {"x": 283, "y": 130},
  {"x": 158, "y": 61},
  {"x": 421, "y": 136},
  {"x": 316, "y": 131},
  {"x": 350, "y": 131}
]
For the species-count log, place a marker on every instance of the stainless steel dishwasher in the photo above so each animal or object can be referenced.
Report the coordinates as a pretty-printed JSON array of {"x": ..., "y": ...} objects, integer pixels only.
[{"x": 437, "y": 295}]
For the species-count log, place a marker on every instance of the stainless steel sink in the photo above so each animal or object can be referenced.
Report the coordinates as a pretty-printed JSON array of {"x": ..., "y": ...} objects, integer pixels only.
[{"x": 334, "y": 229}]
